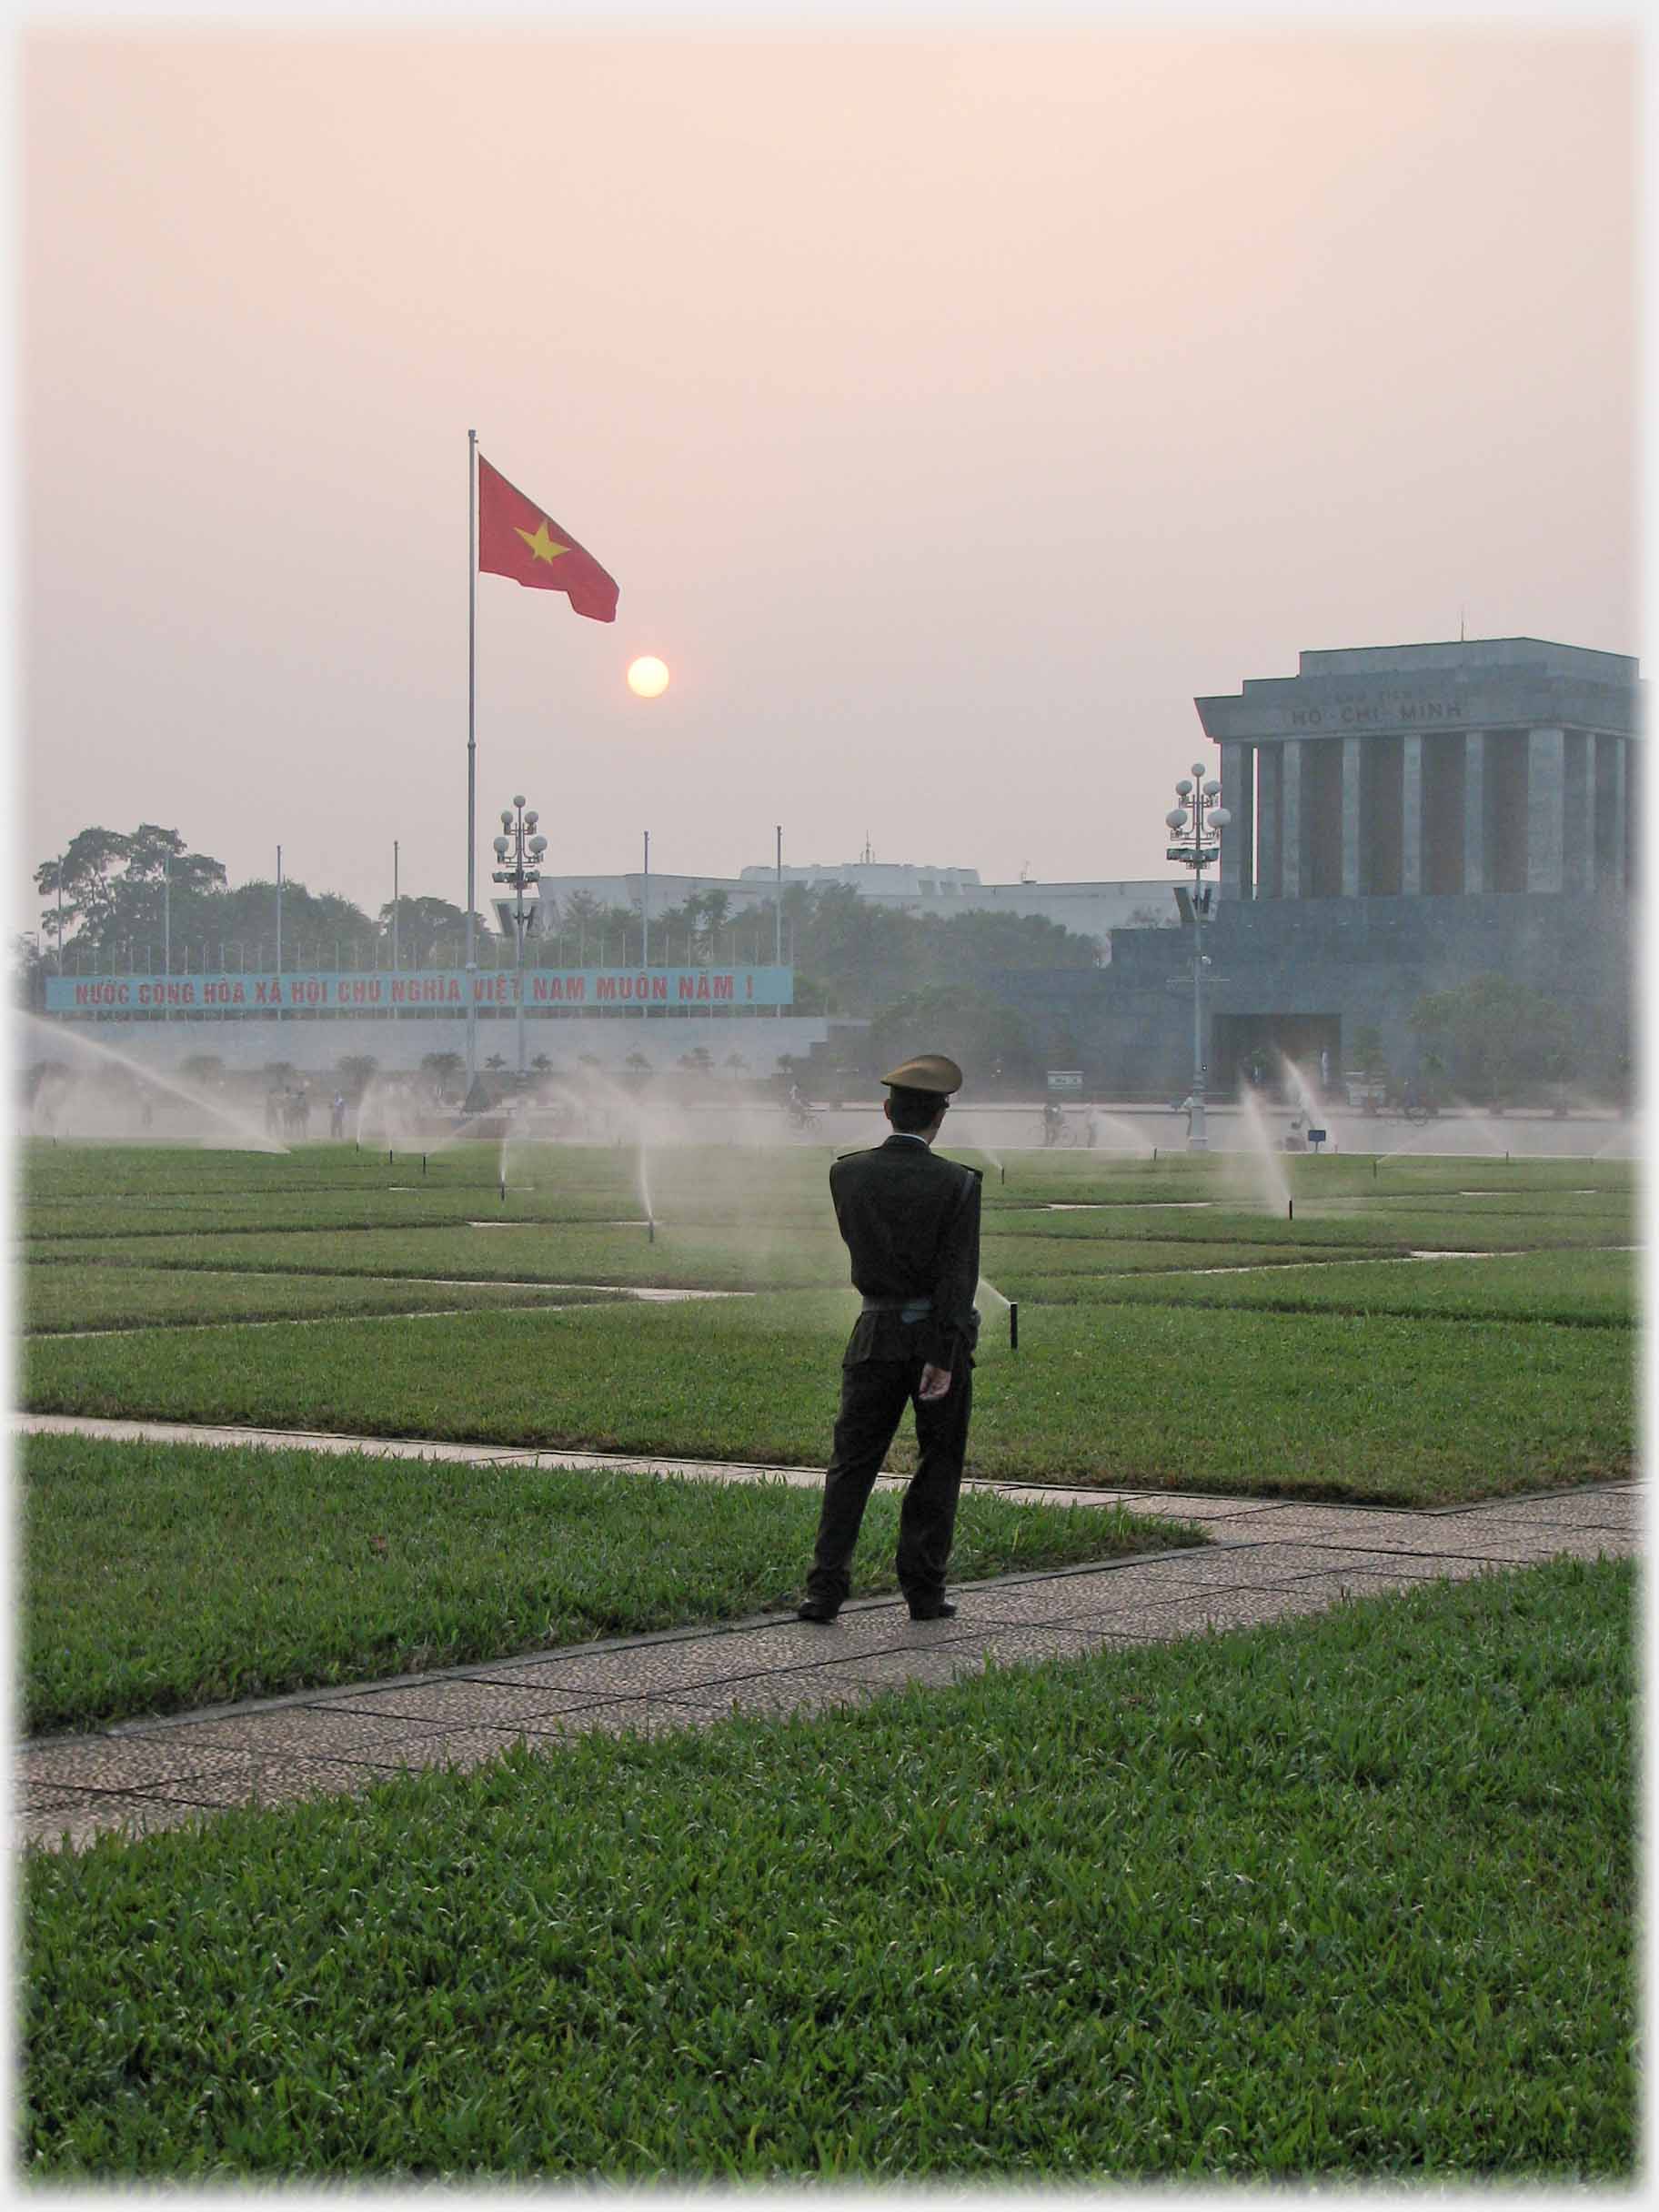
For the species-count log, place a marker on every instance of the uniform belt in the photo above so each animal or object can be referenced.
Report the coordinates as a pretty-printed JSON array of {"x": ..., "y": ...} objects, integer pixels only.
[{"x": 907, "y": 1309}]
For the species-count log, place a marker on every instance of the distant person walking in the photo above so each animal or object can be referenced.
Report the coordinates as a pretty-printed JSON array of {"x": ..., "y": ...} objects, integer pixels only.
[
  {"x": 337, "y": 1115},
  {"x": 911, "y": 1223}
]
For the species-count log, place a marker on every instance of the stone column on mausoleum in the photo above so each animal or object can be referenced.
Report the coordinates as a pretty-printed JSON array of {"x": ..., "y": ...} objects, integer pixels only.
[
  {"x": 1291, "y": 757},
  {"x": 1410, "y": 815},
  {"x": 1610, "y": 801},
  {"x": 1239, "y": 838},
  {"x": 1474, "y": 812},
  {"x": 1353, "y": 817},
  {"x": 1270, "y": 760},
  {"x": 1578, "y": 813},
  {"x": 1631, "y": 820},
  {"x": 1547, "y": 779}
]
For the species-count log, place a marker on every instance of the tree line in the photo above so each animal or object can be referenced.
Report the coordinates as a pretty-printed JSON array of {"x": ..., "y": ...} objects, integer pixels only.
[
  {"x": 120, "y": 899},
  {"x": 920, "y": 980},
  {"x": 116, "y": 899}
]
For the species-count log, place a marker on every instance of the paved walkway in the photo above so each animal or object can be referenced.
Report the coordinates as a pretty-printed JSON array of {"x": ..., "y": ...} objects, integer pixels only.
[{"x": 1266, "y": 1559}]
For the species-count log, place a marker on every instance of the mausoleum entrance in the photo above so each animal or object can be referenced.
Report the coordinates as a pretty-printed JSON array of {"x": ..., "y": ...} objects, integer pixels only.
[{"x": 1253, "y": 1049}]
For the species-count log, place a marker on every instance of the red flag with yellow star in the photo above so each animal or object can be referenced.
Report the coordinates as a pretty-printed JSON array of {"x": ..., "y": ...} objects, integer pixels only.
[{"x": 516, "y": 539}]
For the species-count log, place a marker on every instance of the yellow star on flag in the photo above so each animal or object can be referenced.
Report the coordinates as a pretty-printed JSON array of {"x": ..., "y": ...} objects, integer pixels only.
[{"x": 543, "y": 547}]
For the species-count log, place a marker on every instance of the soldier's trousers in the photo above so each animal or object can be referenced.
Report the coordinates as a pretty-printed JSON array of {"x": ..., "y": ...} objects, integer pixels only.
[{"x": 874, "y": 1394}]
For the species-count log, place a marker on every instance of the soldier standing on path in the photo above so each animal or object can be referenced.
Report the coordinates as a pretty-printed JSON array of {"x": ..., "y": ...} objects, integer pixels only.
[{"x": 911, "y": 1224}]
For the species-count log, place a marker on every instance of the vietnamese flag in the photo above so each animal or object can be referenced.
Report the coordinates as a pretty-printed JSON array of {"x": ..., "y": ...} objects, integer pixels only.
[{"x": 516, "y": 539}]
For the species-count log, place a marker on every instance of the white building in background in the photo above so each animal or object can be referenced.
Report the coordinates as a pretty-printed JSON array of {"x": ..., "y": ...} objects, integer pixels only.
[{"x": 1091, "y": 910}]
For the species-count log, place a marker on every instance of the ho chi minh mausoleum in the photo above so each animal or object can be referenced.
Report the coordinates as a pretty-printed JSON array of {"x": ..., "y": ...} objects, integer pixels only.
[{"x": 1405, "y": 818}]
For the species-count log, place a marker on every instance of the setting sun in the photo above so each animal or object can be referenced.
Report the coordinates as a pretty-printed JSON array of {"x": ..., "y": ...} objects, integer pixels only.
[{"x": 648, "y": 677}]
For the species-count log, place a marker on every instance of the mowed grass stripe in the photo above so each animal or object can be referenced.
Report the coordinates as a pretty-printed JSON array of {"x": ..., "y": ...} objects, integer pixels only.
[
  {"x": 674, "y": 1258},
  {"x": 1576, "y": 1288},
  {"x": 152, "y": 1582},
  {"x": 1323, "y": 1406},
  {"x": 1350, "y": 1896},
  {"x": 68, "y": 1300}
]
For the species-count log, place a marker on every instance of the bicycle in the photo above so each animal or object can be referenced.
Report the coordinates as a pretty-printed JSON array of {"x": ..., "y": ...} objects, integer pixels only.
[{"x": 1062, "y": 1133}]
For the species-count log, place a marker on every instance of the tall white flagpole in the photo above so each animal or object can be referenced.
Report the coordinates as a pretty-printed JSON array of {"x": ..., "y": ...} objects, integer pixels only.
[{"x": 472, "y": 749}]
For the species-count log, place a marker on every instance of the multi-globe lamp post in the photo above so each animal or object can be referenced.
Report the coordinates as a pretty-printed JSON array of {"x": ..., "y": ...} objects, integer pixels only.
[
  {"x": 520, "y": 849},
  {"x": 1196, "y": 826}
]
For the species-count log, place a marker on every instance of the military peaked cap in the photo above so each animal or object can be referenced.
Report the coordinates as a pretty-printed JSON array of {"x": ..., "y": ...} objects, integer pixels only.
[{"x": 926, "y": 1072}]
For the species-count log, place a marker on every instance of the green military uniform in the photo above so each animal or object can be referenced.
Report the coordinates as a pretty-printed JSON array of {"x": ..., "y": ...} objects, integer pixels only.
[{"x": 911, "y": 1223}]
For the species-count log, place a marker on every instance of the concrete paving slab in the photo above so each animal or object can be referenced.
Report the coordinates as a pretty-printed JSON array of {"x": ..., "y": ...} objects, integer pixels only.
[
  {"x": 1122, "y": 1583},
  {"x": 769, "y": 1696},
  {"x": 1186, "y": 1505},
  {"x": 1547, "y": 1543},
  {"x": 670, "y": 1716},
  {"x": 266, "y": 1781},
  {"x": 895, "y": 1670},
  {"x": 129, "y": 1816},
  {"x": 1611, "y": 1509},
  {"x": 1378, "y": 1581},
  {"x": 319, "y": 1731},
  {"x": 1276, "y": 1559},
  {"x": 1349, "y": 1559},
  {"x": 1240, "y": 1569},
  {"x": 460, "y": 1748},
  {"x": 31, "y": 1797},
  {"x": 501, "y": 1704},
  {"x": 1330, "y": 1524},
  {"x": 1060, "y": 1640},
  {"x": 118, "y": 1763},
  {"x": 1292, "y": 1560},
  {"x": 1027, "y": 1604},
  {"x": 1225, "y": 1609},
  {"x": 661, "y": 1665}
]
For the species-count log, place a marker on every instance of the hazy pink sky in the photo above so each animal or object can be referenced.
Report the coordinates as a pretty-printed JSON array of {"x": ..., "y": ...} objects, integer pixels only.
[{"x": 951, "y": 406}]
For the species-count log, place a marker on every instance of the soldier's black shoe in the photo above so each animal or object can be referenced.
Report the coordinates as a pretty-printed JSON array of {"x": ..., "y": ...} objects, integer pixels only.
[
  {"x": 933, "y": 1609},
  {"x": 822, "y": 1610}
]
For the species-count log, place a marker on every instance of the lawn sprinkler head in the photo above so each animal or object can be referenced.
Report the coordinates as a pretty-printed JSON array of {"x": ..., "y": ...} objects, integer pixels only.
[
  {"x": 1001, "y": 1174},
  {"x": 1289, "y": 1209},
  {"x": 423, "y": 1163},
  {"x": 1154, "y": 1155},
  {"x": 504, "y": 1190},
  {"x": 1013, "y": 1325},
  {"x": 650, "y": 1232}
]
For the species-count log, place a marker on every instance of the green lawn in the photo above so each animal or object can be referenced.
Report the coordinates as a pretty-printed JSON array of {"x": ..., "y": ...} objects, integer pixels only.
[
  {"x": 1350, "y": 1897},
  {"x": 152, "y": 1582},
  {"x": 1326, "y": 1373},
  {"x": 1395, "y": 1409},
  {"x": 61, "y": 1298},
  {"x": 1590, "y": 1288}
]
